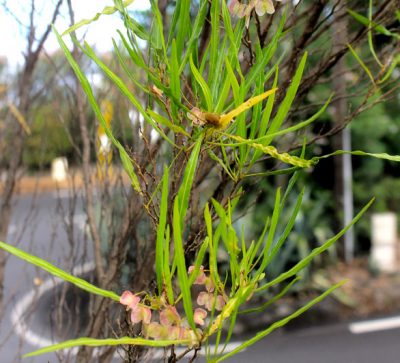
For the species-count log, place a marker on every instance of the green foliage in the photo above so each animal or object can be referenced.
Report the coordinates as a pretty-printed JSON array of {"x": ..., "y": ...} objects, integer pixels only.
[
  {"x": 208, "y": 111},
  {"x": 48, "y": 139}
]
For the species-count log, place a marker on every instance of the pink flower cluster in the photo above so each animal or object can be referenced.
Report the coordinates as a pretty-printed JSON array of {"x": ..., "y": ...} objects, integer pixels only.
[
  {"x": 207, "y": 298},
  {"x": 170, "y": 325},
  {"x": 139, "y": 312}
]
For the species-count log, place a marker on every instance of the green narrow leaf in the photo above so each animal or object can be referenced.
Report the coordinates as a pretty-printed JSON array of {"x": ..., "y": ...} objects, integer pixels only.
[
  {"x": 108, "y": 10},
  {"x": 229, "y": 239},
  {"x": 125, "y": 91},
  {"x": 127, "y": 70},
  {"x": 188, "y": 176},
  {"x": 204, "y": 60},
  {"x": 266, "y": 115},
  {"x": 128, "y": 167},
  {"x": 384, "y": 156},
  {"x": 165, "y": 122},
  {"x": 292, "y": 182},
  {"x": 220, "y": 211},
  {"x": 198, "y": 261},
  {"x": 213, "y": 243},
  {"x": 55, "y": 271},
  {"x": 223, "y": 95},
  {"x": 215, "y": 46},
  {"x": 197, "y": 29},
  {"x": 302, "y": 124},
  {"x": 362, "y": 64},
  {"x": 392, "y": 66},
  {"x": 91, "y": 342},
  {"x": 179, "y": 257},
  {"x": 241, "y": 127},
  {"x": 233, "y": 54},
  {"x": 370, "y": 41},
  {"x": 288, "y": 228},
  {"x": 232, "y": 80},
  {"x": 173, "y": 24},
  {"x": 257, "y": 108},
  {"x": 167, "y": 271},
  {"x": 158, "y": 29},
  {"x": 268, "y": 53},
  {"x": 274, "y": 172},
  {"x": 233, "y": 49},
  {"x": 93, "y": 103},
  {"x": 133, "y": 52},
  {"x": 232, "y": 325},
  {"x": 288, "y": 100},
  {"x": 293, "y": 128},
  {"x": 271, "y": 233},
  {"x": 219, "y": 72},
  {"x": 279, "y": 323},
  {"x": 375, "y": 26},
  {"x": 175, "y": 82},
  {"x": 273, "y": 152},
  {"x": 136, "y": 28},
  {"x": 273, "y": 300},
  {"x": 162, "y": 221},
  {"x": 315, "y": 252},
  {"x": 221, "y": 163},
  {"x": 203, "y": 85},
  {"x": 259, "y": 242},
  {"x": 184, "y": 23},
  {"x": 156, "y": 41}
]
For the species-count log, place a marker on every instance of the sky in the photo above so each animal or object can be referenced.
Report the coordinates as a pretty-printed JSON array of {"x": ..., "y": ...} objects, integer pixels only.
[{"x": 99, "y": 33}]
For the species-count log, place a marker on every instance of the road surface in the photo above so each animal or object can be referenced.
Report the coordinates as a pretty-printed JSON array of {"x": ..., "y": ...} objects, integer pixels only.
[{"x": 328, "y": 344}]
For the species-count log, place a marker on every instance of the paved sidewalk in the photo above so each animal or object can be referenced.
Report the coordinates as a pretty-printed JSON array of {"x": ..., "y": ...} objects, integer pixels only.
[{"x": 43, "y": 182}]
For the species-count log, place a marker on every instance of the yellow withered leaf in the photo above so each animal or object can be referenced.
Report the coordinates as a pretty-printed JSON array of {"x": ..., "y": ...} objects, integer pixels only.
[
  {"x": 222, "y": 121},
  {"x": 227, "y": 118}
]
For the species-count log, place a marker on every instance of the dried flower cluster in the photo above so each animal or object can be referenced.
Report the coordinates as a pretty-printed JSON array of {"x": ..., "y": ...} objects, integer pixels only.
[
  {"x": 170, "y": 325},
  {"x": 242, "y": 10}
]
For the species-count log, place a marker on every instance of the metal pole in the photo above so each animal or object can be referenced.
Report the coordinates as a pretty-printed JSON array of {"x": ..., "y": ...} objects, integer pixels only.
[{"x": 348, "y": 196}]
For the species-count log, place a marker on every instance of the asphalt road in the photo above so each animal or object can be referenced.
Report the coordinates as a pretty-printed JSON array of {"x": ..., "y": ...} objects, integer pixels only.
[
  {"x": 39, "y": 230},
  {"x": 329, "y": 344}
]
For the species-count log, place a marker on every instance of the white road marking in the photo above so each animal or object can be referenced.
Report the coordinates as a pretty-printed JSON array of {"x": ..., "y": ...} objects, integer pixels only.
[
  {"x": 80, "y": 220},
  {"x": 375, "y": 325},
  {"x": 24, "y": 304},
  {"x": 12, "y": 229}
]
